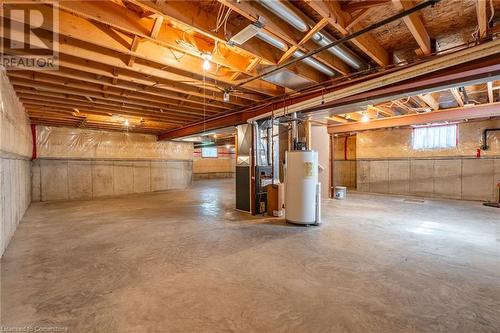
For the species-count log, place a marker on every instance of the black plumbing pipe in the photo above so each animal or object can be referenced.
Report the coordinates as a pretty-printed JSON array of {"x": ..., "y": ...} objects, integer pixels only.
[
  {"x": 485, "y": 137},
  {"x": 341, "y": 40}
]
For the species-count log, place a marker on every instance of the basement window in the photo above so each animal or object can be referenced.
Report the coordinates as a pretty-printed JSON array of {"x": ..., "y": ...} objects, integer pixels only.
[
  {"x": 210, "y": 152},
  {"x": 434, "y": 137}
]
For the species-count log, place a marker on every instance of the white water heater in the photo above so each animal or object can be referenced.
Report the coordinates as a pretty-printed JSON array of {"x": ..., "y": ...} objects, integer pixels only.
[{"x": 302, "y": 192}]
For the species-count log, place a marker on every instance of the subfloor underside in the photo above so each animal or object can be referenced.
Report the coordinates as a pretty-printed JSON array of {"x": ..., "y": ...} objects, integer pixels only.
[{"x": 186, "y": 261}]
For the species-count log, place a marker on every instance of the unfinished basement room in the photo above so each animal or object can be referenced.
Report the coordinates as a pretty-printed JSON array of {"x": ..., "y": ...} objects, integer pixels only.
[{"x": 245, "y": 166}]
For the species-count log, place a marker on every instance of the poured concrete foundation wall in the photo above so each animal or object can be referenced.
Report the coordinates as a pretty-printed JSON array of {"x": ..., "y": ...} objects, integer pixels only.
[
  {"x": 76, "y": 164},
  {"x": 90, "y": 179},
  {"x": 456, "y": 178},
  {"x": 210, "y": 168},
  {"x": 386, "y": 163},
  {"x": 224, "y": 166},
  {"x": 345, "y": 161},
  {"x": 15, "y": 155}
]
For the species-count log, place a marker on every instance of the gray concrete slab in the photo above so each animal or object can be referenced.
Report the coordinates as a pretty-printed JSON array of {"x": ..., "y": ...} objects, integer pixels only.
[{"x": 186, "y": 261}]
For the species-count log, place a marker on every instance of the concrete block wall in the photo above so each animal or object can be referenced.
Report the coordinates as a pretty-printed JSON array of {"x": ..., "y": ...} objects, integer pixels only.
[
  {"x": 455, "y": 178},
  {"x": 72, "y": 179}
]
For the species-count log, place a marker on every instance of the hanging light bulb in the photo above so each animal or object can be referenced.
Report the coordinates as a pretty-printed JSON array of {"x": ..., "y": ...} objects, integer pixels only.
[
  {"x": 365, "y": 118},
  {"x": 226, "y": 96},
  {"x": 126, "y": 123},
  {"x": 206, "y": 65},
  {"x": 206, "y": 61}
]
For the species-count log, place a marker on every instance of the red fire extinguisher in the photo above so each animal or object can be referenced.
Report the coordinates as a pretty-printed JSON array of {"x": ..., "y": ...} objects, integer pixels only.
[{"x": 478, "y": 152}]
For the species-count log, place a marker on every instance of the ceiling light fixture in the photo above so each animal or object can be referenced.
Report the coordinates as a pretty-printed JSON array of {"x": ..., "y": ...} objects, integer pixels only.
[
  {"x": 365, "y": 118},
  {"x": 226, "y": 96},
  {"x": 126, "y": 122},
  {"x": 206, "y": 60}
]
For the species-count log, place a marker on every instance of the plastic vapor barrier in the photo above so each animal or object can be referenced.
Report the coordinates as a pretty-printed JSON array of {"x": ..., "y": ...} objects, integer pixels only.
[
  {"x": 62, "y": 142},
  {"x": 396, "y": 143},
  {"x": 15, "y": 132}
]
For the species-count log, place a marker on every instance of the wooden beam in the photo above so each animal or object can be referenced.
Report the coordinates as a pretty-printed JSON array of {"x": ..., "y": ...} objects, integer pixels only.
[
  {"x": 338, "y": 19},
  {"x": 415, "y": 25},
  {"x": 337, "y": 119},
  {"x": 281, "y": 31},
  {"x": 73, "y": 23},
  {"x": 387, "y": 112},
  {"x": 482, "y": 18},
  {"x": 476, "y": 63},
  {"x": 457, "y": 96},
  {"x": 94, "y": 89},
  {"x": 430, "y": 101},
  {"x": 317, "y": 27},
  {"x": 355, "y": 6},
  {"x": 156, "y": 27},
  {"x": 360, "y": 15},
  {"x": 490, "y": 92},
  {"x": 90, "y": 93},
  {"x": 455, "y": 114}
]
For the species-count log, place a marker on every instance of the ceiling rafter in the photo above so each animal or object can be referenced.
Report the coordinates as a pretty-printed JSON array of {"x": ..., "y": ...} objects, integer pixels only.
[
  {"x": 284, "y": 33},
  {"x": 456, "y": 95},
  {"x": 489, "y": 87},
  {"x": 316, "y": 28},
  {"x": 162, "y": 50},
  {"x": 71, "y": 102},
  {"x": 415, "y": 25},
  {"x": 95, "y": 89},
  {"x": 338, "y": 19},
  {"x": 112, "y": 99}
]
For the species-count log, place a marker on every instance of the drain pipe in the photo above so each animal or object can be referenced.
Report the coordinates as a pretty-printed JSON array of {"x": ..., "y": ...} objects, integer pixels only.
[
  {"x": 485, "y": 137},
  {"x": 286, "y": 14}
]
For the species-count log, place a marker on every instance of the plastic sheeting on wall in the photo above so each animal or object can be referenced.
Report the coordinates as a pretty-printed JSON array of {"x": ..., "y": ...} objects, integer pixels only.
[
  {"x": 15, "y": 132},
  {"x": 62, "y": 142},
  {"x": 395, "y": 143}
]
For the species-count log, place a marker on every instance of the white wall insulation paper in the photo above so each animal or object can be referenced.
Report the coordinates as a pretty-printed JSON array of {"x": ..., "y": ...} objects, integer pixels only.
[
  {"x": 63, "y": 142},
  {"x": 15, "y": 153},
  {"x": 82, "y": 164}
]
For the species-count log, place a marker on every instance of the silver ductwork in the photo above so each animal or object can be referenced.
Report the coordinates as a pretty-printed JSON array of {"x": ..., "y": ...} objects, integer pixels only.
[
  {"x": 272, "y": 41},
  {"x": 280, "y": 45},
  {"x": 314, "y": 64},
  {"x": 340, "y": 51},
  {"x": 287, "y": 15}
]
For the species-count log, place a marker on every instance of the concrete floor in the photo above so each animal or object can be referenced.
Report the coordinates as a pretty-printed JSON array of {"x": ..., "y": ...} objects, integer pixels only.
[{"x": 185, "y": 261}]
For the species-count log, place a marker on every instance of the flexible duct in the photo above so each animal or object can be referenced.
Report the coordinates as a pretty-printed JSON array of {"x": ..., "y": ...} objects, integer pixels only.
[{"x": 287, "y": 15}]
